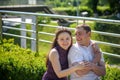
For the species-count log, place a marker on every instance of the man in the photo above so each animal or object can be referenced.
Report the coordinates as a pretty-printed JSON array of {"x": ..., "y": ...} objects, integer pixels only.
[{"x": 86, "y": 51}]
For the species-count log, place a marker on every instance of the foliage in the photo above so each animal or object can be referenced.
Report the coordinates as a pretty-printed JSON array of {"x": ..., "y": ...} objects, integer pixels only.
[
  {"x": 19, "y": 64},
  {"x": 93, "y": 5},
  {"x": 114, "y": 5},
  {"x": 104, "y": 10},
  {"x": 108, "y": 28},
  {"x": 112, "y": 73},
  {"x": 59, "y": 3},
  {"x": 72, "y": 11},
  {"x": 43, "y": 20}
]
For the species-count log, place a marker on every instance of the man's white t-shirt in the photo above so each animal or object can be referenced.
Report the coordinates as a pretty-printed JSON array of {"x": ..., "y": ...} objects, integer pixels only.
[{"x": 79, "y": 53}]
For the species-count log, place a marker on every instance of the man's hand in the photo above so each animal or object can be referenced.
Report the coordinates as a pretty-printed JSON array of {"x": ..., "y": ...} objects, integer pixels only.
[{"x": 95, "y": 48}]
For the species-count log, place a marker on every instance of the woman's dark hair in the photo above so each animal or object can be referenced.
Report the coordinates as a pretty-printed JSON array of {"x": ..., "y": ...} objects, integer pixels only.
[{"x": 55, "y": 43}]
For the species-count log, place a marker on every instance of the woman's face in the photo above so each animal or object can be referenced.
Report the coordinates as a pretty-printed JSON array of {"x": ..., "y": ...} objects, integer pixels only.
[{"x": 64, "y": 40}]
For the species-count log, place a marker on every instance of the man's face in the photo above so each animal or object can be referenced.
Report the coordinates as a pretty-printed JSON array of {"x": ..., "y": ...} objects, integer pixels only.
[{"x": 82, "y": 37}]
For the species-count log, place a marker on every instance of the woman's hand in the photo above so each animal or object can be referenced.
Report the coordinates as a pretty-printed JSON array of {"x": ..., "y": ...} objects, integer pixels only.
[{"x": 85, "y": 67}]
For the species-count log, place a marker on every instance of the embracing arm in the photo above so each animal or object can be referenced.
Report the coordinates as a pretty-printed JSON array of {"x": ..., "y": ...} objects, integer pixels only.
[{"x": 54, "y": 58}]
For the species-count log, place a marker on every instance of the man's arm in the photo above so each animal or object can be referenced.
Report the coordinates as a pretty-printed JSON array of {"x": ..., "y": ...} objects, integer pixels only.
[
  {"x": 98, "y": 58},
  {"x": 99, "y": 69}
]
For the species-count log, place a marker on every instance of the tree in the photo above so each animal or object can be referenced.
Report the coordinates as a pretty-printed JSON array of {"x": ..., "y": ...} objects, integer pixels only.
[
  {"x": 114, "y": 5},
  {"x": 93, "y": 5}
]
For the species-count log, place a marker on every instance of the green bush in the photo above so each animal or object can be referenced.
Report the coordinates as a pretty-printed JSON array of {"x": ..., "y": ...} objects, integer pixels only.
[
  {"x": 43, "y": 20},
  {"x": 112, "y": 28},
  {"x": 104, "y": 10},
  {"x": 112, "y": 73},
  {"x": 19, "y": 64},
  {"x": 72, "y": 11}
]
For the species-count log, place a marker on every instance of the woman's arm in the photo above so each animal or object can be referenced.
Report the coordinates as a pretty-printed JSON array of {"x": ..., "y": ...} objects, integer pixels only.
[{"x": 54, "y": 58}]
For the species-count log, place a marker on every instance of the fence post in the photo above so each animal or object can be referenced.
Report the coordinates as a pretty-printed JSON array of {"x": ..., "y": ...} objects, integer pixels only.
[
  {"x": 0, "y": 28},
  {"x": 37, "y": 37},
  {"x": 33, "y": 35},
  {"x": 23, "y": 33}
]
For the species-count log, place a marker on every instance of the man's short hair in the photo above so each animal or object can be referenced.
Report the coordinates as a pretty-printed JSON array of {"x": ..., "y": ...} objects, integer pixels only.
[{"x": 85, "y": 27}]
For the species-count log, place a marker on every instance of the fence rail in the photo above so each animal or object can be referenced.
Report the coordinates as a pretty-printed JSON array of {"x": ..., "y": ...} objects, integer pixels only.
[{"x": 34, "y": 38}]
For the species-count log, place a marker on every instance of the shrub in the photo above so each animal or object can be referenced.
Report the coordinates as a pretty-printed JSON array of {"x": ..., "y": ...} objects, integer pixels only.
[
  {"x": 108, "y": 28},
  {"x": 72, "y": 11},
  {"x": 103, "y": 10},
  {"x": 19, "y": 64},
  {"x": 43, "y": 20},
  {"x": 112, "y": 73}
]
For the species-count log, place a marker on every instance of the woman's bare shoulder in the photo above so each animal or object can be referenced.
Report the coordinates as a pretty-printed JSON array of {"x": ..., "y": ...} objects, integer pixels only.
[{"x": 53, "y": 53}]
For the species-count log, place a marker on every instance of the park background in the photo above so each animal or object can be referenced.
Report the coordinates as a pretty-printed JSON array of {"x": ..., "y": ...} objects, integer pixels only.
[{"x": 17, "y": 63}]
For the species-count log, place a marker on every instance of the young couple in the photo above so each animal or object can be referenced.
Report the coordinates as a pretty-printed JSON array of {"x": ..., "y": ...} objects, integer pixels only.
[{"x": 82, "y": 61}]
